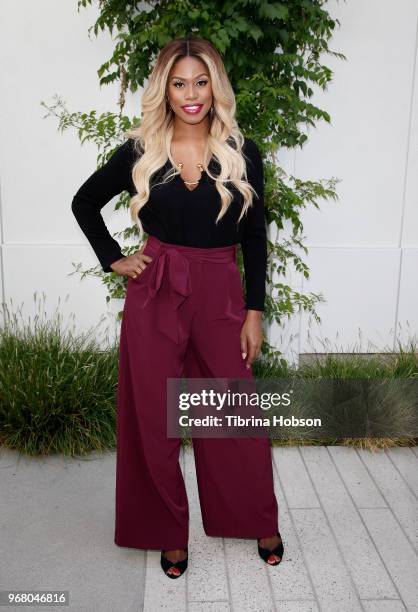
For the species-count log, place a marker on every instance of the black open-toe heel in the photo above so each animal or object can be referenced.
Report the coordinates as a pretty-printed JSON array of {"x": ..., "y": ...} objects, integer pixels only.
[
  {"x": 265, "y": 553},
  {"x": 180, "y": 565}
]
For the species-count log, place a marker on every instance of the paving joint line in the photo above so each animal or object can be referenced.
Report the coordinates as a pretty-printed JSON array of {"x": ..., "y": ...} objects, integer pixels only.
[
  {"x": 308, "y": 572},
  {"x": 400, "y": 474},
  {"x": 389, "y": 506},
  {"x": 367, "y": 530},
  {"x": 382, "y": 599},
  {"x": 228, "y": 584},
  {"x": 333, "y": 533}
]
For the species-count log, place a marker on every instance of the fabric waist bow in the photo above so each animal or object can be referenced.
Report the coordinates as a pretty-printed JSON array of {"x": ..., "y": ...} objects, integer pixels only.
[{"x": 169, "y": 277}]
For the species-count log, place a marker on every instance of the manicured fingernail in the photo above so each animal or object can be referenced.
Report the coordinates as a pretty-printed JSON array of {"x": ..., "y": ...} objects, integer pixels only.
[
  {"x": 248, "y": 366},
  {"x": 244, "y": 355}
]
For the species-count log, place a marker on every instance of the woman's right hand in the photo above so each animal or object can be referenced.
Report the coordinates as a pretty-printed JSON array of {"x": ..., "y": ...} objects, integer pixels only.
[{"x": 132, "y": 265}]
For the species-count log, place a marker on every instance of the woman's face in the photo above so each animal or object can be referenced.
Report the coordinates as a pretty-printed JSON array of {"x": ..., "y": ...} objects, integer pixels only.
[{"x": 189, "y": 90}]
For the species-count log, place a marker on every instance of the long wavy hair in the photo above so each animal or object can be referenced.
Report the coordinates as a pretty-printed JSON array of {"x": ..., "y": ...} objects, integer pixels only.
[{"x": 152, "y": 138}]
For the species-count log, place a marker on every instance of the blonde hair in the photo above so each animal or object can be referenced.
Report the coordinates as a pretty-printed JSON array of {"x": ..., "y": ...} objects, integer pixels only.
[{"x": 152, "y": 138}]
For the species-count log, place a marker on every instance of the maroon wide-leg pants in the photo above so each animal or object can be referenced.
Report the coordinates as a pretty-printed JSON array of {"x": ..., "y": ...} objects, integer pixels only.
[{"x": 182, "y": 317}]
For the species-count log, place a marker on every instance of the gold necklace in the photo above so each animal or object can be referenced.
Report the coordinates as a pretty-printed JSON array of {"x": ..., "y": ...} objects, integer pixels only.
[{"x": 200, "y": 166}]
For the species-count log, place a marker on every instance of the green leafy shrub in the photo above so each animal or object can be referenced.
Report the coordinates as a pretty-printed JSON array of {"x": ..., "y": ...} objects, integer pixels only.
[{"x": 273, "y": 53}]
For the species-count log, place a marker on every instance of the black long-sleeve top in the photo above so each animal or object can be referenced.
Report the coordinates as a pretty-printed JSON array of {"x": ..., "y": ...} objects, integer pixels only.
[{"x": 177, "y": 215}]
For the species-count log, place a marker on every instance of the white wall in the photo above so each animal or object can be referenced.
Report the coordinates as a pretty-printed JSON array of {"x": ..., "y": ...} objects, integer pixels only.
[{"x": 363, "y": 249}]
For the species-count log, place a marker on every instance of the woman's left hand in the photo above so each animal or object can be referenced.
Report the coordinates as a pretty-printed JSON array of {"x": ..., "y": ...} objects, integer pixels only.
[{"x": 251, "y": 336}]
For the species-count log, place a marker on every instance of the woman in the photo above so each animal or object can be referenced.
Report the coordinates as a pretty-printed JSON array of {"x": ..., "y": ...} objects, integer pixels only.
[{"x": 192, "y": 177}]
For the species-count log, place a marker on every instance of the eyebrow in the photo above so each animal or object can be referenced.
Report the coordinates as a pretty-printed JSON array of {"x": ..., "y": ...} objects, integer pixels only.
[{"x": 183, "y": 79}]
